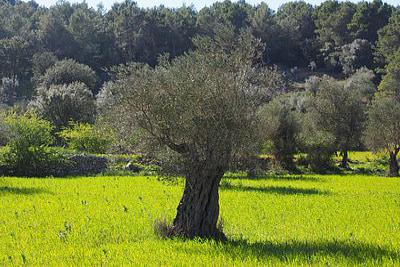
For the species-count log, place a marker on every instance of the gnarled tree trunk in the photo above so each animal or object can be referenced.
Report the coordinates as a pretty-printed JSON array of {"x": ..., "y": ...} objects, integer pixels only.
[
  {"x": 345, "y": 159},
  {"x": 394, "y": 165},
  {"x": 198, "y": 210}
]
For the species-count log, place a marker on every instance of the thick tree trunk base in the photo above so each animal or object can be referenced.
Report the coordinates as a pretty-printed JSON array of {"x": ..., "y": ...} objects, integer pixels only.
[
  {"x": 198, "y": 210},
  {"x": 394, "y": 166},
  {"x": 345, "y": 160},
  {"x": 178, "y": 231}
]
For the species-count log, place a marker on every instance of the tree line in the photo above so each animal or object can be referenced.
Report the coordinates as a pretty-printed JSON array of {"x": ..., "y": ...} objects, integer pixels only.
[{"x": 334, "y": 37}]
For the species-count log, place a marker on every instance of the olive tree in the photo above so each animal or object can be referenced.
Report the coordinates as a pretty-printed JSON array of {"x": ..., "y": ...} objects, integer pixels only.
[
  {"x": 383, "y": 129},
  {"x": 203, "y": 107},
  {"x": 318, "y": 143},
  {"x": 61, "y": 104},
  {"x": 362, "y": 81},
  {"x": 281, "y": 129},
  {"x": 340, "y": 111}
]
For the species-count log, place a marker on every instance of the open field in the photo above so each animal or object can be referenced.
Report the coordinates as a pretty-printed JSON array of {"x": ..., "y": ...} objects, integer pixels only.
[{"x": 287, "y": 220}]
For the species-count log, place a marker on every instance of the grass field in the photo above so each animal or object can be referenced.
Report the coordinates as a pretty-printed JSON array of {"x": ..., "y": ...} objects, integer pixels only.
[{"x": 287, "y": 220}]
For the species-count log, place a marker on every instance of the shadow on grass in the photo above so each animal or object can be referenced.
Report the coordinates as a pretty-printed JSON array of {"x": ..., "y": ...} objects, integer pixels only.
[
  {"x": 22, "y": 191},
  {"x": 302, "y": 251},
  {"x": 286, "y": 190},
  {"x": 275, "y": 177}
]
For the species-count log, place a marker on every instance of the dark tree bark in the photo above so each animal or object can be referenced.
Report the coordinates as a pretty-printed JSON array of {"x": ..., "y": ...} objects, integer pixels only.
[
  {"x": 198, "y": 210},
  {"x": 345, "y": 159},
  {"x": 394, "y": 165}
]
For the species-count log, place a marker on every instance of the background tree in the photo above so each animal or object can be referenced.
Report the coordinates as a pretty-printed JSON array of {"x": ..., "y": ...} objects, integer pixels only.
[
  {"x": 61, "y": 104},
  {"x": 383, "y": 130},
  {"x": 390, "y": 84},
  {"x": 85, "y": 26},
  {"x": 125, "y": 19},
  {"x": 356, "y": 55},
  {"x": 297, "y": 29},
  {"x": 7, "y": 91},
  {"x": 389, "y": 38},
  {"x": 14, "y": 56},
  {"x": 40, "y": 63},
  {"x": 362, "y": 81},
  {"x": 317, "y": 143},
  {"x": 340, "y": 112},
  {"x": 236, "y": 14},
  {"x": 69, "y": 71},
  {"x": 331, "y": 20},
  {"x": 281, "y": 129},
  {"x": 4, "y": 130},
  {"x": 264, "y": 26},
  {"x": 202, "y": 106},
  {"x": 368, "y": 19},
  {"x": 53, "y": 33}
]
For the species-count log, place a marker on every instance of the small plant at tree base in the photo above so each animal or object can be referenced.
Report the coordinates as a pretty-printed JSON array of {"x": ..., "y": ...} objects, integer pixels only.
[{"x": 162, "y": 228}]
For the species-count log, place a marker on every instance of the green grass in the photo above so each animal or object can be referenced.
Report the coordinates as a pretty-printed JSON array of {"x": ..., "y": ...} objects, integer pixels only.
[{"x": 281, "y": 220}]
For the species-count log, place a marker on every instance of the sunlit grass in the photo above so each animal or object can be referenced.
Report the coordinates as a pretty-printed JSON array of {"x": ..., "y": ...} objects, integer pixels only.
[{"x": 280, "y": 220}]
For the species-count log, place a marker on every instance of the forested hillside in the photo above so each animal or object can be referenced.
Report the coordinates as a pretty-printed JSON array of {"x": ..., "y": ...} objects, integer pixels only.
[{"x": 335, "y": 38}]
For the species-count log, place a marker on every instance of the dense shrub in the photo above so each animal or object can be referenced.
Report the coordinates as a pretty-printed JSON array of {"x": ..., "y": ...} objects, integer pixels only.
[
  {"x": 28, "y": 152},
  {"x": 69, "y": 71},
  {"x": 64, "y": 103},
  {"x": 85, "y": 137}
]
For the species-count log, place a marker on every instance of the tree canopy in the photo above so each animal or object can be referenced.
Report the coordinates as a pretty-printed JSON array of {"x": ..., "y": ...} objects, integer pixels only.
[{"x": 203, "y": 107}]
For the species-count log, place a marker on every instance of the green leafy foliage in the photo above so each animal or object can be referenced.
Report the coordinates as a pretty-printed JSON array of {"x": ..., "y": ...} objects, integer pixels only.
[
  {"x": 28, "y": 152},
  {"x": 383, "y": 128},
  {"x": 318, "y": 144},
  {"x": 88, "y": 138},
  {"x": 340, "y": 112},
  {"x": 356, "y": 55},
  {"x": 66, "y": 72},
  {"x": 390, "y": 84},
  {"x": 281, "y": 128},
  {"x": 64, "y": 103},
  {"x": 389, "y": 38}
]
